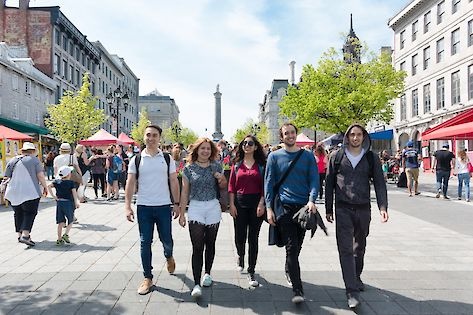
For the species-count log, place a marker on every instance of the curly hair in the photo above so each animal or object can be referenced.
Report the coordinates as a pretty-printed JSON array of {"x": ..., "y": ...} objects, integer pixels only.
[
  {"x": 258, "y": 154},
  {"x": 195, "y": 149}
]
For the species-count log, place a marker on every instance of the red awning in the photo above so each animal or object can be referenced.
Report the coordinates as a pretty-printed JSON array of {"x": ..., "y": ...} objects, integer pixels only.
[
  {"x": 100, "y": 138},
  {"x": 457, "y": 132},
  {"x": 459, "y": 119},
  {"x": 124, "y": 139},
  {"x": 303, "y": 140},
  {"x": 7, "y": 133}
]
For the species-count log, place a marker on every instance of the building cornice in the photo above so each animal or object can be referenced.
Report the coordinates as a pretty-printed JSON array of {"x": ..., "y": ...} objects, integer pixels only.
[{"x": 406, "y": 12}]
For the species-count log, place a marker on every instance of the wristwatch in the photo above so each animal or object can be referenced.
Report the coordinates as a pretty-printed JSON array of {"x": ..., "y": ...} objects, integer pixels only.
[{"x": 176, "y": 203}]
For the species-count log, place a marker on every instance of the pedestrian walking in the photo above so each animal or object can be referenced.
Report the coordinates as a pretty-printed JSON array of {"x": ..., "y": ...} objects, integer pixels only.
[
  {"x": 114, "y": 166},
  {"x": 321, "y": 159},
  {"x": 410, "y": 163},
  {"x": 245, "y": 190},
  {"x": 67, "y": 201},
  {"x": 97, "y": 167},
  {"x": 23, "y": 191},
  {"x": 444, "y": 161},
  {"x": 463, "y": 173},
  {"x": 348, "y": 178},
  {"x": 49, "y": 166},
  {"x": 294, "y": 173},
  {"x": 201, "y": 180},
  {"x": 83, "y": 162},
  {"x": 154, "y": 174}
]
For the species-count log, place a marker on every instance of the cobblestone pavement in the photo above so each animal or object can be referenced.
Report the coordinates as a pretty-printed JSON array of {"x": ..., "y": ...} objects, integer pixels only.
[{"x": 415, "y": 264}]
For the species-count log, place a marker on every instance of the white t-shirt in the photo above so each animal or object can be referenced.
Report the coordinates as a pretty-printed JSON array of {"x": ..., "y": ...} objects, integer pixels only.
[
  {"x": 64, "y": 160},
  {"x": 153, "y": 180},
  {"x": 354, "y": 160}
]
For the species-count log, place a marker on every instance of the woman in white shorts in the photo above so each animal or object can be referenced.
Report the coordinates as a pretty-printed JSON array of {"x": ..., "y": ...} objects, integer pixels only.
[{"x": 201, "y": 180}]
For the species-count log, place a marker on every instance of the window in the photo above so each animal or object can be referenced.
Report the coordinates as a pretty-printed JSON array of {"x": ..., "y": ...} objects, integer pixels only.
[
  {"x": 455, "y": 5},
  {"x": 28, "y": 86},
  {"x": 57, "y": 62},
  {"x": 70, "y": 76},
  {"x": 415, "y": 28},
  {"x": 455, "y": 41},
  {"x": 64, "y": 43},
  {"x": 78, "y": 78},
  {"x": 414, "y": 64},
  {"x": 426, "y": 98},
  {"x": 440, "y": 50},
  {"x": 71, "y": 48},
  {"x": 77, "y": 53},
  {"x": 440, "y": 11},
  {"x": 427, "y": 22},
  {"x": 415, "y": 103},
  {"x": 470, "y": 32},
  {"x": 14, "y": 82},
  {"x": 402, "y": 39},
  {"x": 57, "y": 36},
  {"x": 456, "y": 87},
  {"x": 426, "y": 57},
  {"x": 65, "y": 69},
  {"x": 440, "y": 93},
  {"x": 402, "y": 67},
  {"x": 470, "y": 82},
  {"x": 15, "y": 111}
]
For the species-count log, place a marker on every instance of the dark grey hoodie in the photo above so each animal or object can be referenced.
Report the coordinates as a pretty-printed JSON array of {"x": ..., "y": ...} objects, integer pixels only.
[{"x": 351, "y": 185}]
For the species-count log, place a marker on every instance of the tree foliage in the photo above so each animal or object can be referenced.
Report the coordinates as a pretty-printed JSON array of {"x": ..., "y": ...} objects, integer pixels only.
[
  {"x": 138, "y": 130},
  {"x": 75, "y": 117},
  {"x": 336, "y": 94},
  {"x": 178, "y": 133},
  {"x": 252, "y": 128}
]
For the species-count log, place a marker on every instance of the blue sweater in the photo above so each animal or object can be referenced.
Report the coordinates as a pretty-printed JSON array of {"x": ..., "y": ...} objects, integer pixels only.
[{"x": 302, "y": 183}]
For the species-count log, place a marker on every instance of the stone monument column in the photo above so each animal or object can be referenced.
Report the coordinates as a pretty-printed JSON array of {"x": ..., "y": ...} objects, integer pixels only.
[{"x": 217, "y": 135}]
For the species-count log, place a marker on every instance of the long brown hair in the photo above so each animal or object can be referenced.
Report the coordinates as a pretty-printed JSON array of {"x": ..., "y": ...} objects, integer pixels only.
[
  {"x": 462, "y": 155},
  {"x": 196, "y": 146}
]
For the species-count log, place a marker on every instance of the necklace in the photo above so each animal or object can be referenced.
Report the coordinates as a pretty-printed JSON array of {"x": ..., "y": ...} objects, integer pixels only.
[{"x": 203, "y": 164}]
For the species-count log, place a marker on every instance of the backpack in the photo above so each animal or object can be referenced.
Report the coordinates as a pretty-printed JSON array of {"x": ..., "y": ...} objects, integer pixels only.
[
  {"x": 6, "y": 181},
  {"x": 369, "y": 156},
  {"x": 117, "y": 164},
  {"x": 167, "y": 158}
]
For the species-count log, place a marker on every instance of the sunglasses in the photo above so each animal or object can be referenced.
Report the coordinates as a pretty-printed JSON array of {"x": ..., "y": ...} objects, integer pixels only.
[{"x": 249, "y": 143}]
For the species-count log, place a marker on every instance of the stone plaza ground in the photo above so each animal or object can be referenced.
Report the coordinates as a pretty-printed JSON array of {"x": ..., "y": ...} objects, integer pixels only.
[{"x": 420, "y": 262}]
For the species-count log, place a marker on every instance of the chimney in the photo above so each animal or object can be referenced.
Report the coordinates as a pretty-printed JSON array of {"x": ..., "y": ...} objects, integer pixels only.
[
  {"x": 24, "y": 4},
  {"x": 291, "y": 68}
]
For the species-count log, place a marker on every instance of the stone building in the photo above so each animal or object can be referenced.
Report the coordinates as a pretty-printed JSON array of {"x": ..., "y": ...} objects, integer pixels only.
[
  {"x": 162, "y": 110},
  {"x": 433, "y": 43}
]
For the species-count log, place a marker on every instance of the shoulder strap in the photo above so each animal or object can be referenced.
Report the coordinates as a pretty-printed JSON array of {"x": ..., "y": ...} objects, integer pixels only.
[
  {"x": 137, "y": 165},
  {"x": 167, "y": 157},
  {"x": 289, "y": 169},
  {"x": 237, "y": 166},
  {"x": 370, "y": 158},
  {"x": 18, "y": 159},
  {"x": 338, "y": 160}
]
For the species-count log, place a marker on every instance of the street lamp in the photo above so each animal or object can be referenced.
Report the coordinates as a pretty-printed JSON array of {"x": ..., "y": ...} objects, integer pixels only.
[
  {"x": 177, "y": 130},
  {"x": 120, "y": 99},
  {"x": 255, "y": 129}
]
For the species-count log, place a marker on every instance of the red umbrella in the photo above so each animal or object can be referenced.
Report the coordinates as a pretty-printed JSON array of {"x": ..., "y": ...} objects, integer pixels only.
[{"x": 124, "y": 139}]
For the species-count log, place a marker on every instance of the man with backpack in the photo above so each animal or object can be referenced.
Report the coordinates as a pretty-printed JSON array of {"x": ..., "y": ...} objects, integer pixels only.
[
  {"x": 153, "y": 173},
  {"x": 349, "y": 173}
]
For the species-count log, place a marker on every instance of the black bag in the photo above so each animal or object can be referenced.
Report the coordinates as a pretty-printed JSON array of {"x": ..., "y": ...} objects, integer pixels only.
[
  {"x": 274, "y": 236},
  {"x": 402, "y": 182}
]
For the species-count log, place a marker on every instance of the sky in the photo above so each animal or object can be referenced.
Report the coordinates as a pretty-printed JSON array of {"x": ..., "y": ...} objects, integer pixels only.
[{"x": 185, "y": 48}]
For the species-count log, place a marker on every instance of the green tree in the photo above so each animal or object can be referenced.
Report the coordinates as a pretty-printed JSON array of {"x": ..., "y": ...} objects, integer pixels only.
[
  {"x": 75, "y": 117},
  {"x": 336, "y": 94},
  {"x": 252, "y": 128},
  {"x": 138, "y": 130},
  {"x": 178, "y": 133}
]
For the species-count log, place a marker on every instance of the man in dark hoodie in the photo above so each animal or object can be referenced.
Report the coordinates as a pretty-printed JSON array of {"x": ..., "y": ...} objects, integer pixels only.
[{"x": 349, "y": 178}]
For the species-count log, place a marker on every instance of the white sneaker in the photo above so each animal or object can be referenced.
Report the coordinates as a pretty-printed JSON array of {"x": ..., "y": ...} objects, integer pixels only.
[
  {"x": 252, "y": 281},
  {"x": 196, "y": 291},
  {"x": 207, "y": 280}
]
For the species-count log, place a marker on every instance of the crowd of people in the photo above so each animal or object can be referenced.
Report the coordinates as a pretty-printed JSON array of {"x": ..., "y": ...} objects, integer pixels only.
[{"x": 263, "y": 184}]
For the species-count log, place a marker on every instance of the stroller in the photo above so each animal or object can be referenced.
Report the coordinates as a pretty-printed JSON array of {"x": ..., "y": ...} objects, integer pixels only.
[{"x": 393, "y": 170}]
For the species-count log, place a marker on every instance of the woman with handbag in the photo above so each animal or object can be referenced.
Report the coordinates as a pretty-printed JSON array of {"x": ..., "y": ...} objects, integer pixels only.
[
  {"x": 83, "y": 162},
  {"x": 463, "y": 173},
  {"x": 245, "y": 190},
  {"x": 201, "y": 180}
]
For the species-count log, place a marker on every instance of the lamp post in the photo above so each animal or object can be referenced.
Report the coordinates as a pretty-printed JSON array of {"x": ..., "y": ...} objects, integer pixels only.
[
  {"x": 255, "y": 129},
  {"x": 120, "y": 99},
  {"x": 177, "y": 131}
]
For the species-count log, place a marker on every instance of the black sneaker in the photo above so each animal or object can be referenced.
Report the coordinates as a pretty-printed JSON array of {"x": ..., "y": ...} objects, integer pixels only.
[
  {"x": 298, "y": 297},
  {"x": 360, "y": 285},
  {"x": 288, "y": 278},
  {"x": 353, "y": 300},
  {"x": 27, "y": 241}
]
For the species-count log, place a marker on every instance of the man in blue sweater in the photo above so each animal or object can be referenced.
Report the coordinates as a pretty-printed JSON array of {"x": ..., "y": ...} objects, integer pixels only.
[
  {"x": 349, "y": 179},
  {"x": 300, "y": 188}
]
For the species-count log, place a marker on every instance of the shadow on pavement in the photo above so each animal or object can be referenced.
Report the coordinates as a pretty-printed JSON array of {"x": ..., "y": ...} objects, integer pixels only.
[
  {"x": 51, "y": 246},
  {"x": 94, "y": 227}
]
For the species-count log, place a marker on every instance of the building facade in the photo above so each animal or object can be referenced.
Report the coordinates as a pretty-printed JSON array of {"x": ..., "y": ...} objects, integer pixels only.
[
  {"x": 433, "y": 44},
  {"x": 25, "y": 92},
  {"x": 162, "y": 110}
]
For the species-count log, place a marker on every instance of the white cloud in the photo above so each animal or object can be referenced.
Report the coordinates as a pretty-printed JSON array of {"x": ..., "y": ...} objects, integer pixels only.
[{"x": 185, "y": 48}]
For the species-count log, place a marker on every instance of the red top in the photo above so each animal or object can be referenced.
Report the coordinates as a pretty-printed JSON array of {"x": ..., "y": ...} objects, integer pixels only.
[
  {"x": 246, "y": 181},
  {"x": 321, "y": 163}
]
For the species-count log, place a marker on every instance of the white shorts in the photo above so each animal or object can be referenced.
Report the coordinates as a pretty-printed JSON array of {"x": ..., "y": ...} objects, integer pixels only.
[{"x": 205, "y": 212}]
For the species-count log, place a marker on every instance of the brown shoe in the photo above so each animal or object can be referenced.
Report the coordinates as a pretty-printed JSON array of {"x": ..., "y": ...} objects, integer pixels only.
[
  {"x": 171, "y": 264},
  {"x": 145, "y": 286}
]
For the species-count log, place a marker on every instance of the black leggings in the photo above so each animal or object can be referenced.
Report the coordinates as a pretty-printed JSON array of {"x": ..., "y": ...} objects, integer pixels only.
[
  {"x": 97, "y": 178},
  {"x": 202, "y": 236},
  {"x": 247, "y": 225},
  {"x": 321, "y": 184},
  {"x": 25, "y": 214}
]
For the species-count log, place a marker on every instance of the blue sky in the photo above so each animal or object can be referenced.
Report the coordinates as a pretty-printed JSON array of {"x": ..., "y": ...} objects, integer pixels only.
[{"x": 185, "y": 48}]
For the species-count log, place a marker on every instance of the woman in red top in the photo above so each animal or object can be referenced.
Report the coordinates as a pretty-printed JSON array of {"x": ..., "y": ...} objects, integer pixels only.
[
  {"x": 321, "y": 158},
  {"x": 246, "y": 196}
]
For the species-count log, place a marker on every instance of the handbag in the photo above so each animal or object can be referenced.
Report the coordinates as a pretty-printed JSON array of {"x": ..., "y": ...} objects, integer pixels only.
[
  {"x": 75, "y": 177},
  {"x": 5, "y": 181},
  {"x": 470, "y": 167}
]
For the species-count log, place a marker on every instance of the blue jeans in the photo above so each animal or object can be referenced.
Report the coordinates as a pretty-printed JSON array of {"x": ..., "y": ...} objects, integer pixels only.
[
  {"x": 464, "y": 178},
  {"x": 49, "y": 172},
  {"x": 147, "y": 217},
  {"x": 442, "y": 181}
]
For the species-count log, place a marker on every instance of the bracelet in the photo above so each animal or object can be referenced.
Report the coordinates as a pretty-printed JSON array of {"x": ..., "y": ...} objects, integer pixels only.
[{"x": 176, "y": 203}]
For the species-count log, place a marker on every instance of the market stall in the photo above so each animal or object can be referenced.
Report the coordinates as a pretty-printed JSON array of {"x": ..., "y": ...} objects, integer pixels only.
[{"x": 10, "y": 144}]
